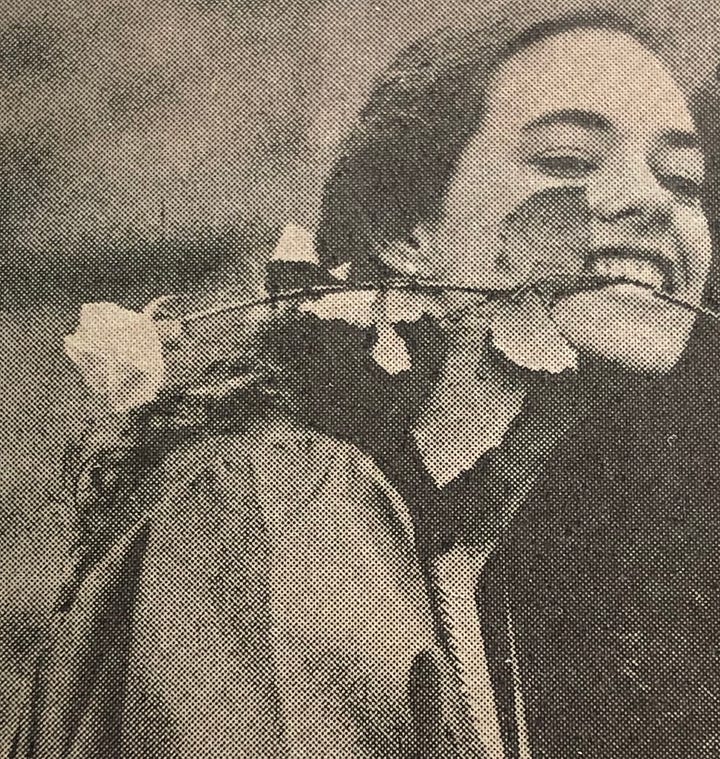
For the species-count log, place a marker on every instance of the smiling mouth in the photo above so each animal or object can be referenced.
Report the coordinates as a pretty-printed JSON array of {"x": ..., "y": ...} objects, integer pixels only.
[{"x": 630, "y": 265}]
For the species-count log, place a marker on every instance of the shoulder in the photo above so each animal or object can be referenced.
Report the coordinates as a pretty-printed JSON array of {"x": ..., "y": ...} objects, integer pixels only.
[
  {"x": 273, "y": 440},
  {"x": 287, "y": 468}
]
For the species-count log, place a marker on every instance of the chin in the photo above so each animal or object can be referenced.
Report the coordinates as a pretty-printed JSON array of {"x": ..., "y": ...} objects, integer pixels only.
[{"x": 627, "y": 326}]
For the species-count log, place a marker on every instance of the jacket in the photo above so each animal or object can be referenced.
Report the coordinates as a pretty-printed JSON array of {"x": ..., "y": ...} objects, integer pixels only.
[{"x": 269, "y": 602}]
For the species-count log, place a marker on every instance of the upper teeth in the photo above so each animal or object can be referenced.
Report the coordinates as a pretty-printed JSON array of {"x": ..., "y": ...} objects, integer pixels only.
[{"x": 634, "y": 269}]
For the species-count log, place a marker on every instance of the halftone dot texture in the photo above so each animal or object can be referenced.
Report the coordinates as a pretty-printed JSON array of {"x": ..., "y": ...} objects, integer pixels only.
[{"x": 266, "y": 593}]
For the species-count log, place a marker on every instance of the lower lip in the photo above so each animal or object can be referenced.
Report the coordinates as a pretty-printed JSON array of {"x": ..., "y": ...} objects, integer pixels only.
[{"x": 561, "y": 287}]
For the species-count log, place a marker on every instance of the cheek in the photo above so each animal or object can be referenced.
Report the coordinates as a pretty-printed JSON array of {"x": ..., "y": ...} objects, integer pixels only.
[
  {"x": 483, "y": 195},
  {"x": 472, "y": 237},
  {"x": 548, "y": 234},
  {"x": 692, "y": 233}
]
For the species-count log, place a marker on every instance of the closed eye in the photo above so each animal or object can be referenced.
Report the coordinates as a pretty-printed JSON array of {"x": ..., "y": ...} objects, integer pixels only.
[
  {"x": 563, "y": 164},
  {"x": 680, "y": 186}
]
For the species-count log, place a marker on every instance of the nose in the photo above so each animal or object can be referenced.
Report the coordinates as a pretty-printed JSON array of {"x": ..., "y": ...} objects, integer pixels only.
[{"x": 628, "y": 191}]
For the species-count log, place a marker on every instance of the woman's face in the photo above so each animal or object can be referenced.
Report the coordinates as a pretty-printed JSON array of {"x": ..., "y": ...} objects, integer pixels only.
[{"x": 587, "y": 163}]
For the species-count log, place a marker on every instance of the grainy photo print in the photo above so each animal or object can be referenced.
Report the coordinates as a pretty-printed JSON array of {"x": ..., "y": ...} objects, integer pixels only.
[{"x": 361, "y": 379}]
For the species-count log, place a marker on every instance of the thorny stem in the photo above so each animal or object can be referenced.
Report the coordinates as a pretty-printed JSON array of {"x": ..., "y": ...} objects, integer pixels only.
[{"x": 432, "y": 287}]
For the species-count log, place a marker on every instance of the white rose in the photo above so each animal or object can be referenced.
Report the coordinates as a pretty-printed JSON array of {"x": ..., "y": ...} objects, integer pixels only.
[{"x": 119, "y": 353}]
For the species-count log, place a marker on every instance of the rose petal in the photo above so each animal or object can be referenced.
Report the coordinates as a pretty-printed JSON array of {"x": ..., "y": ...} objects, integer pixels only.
[
  {"x": 390, "y": 351},
  {"x": 119, "y": 331},
  {"x": 527, "y": 335},
  {"x": 155, "y": 305},
  {"x": 119, "y": 353},
  {"x": 93, "y": 365},
  {"x": 357, "y": 308},
  {"x": 99, "y": 321},
  {"x": 129, "y": 389},
  {"x": 296, "y": 244}
]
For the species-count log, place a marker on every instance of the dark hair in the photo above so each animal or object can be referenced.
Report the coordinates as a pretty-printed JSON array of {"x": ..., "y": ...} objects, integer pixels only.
[{"x": 395, "y": 167}]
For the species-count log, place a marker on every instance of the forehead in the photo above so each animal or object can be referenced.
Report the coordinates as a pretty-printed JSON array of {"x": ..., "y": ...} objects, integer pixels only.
[{"x": 597, "y": 70}]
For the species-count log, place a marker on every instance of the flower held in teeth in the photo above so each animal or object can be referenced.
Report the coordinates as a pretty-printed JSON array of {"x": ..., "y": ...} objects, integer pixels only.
[{"x": 119, "y": 353}]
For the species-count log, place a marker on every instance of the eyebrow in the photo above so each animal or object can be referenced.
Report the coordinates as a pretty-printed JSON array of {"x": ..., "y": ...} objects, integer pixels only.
[{"x": 572, "y": 117}]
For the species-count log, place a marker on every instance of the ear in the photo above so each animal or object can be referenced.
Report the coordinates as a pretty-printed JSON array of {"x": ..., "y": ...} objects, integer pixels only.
[{"x": 409, "y": 256}]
